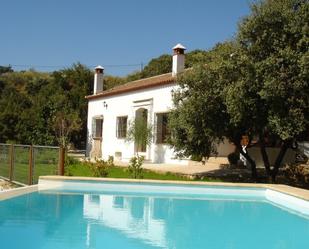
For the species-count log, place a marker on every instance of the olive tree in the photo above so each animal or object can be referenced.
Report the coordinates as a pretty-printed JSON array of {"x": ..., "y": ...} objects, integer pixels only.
[
  {"x": 258, "y": 87},
  {"x": 139, "y": 132}
]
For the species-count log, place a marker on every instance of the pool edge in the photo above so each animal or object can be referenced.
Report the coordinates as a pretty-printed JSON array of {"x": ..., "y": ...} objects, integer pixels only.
[
  {"x": 10, "y": 193},
  {"x": 283, "y": 195},
  {"x": 285, "y": 189}
]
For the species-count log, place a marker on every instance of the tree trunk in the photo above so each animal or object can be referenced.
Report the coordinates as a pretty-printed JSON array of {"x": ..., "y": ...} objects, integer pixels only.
[
  {"x": 278, "y": 161},
  {"x": 251, "y": 161},
  {"x": 265, "y": 156}
]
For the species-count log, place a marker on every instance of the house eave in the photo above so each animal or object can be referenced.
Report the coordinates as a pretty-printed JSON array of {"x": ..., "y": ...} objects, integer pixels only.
[{"x": 116, "y": 91}]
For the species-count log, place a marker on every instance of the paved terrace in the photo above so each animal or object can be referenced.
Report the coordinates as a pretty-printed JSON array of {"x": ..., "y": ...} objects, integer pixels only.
[{"x": 215, "y": 166}]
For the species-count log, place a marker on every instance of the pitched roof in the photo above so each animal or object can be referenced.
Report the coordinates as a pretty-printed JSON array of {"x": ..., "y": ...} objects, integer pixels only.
[{"x": 163, "y": 79}]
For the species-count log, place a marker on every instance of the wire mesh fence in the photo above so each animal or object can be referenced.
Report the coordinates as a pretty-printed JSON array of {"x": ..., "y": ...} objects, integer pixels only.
[
  {"x": 4, "y": 160},
  {"x": 20, "y": 163},
  {"x": 26, "y": 163},
  {"x": 45, "y": 161}
]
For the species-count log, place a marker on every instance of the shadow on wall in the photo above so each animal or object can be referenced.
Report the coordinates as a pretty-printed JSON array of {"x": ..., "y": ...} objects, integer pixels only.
[
  {"x": 225, "y": 148},
  {"x": 272, "y": 153},
  {"x": 160, "y": 152},
  {"x": 304, "y": 148}
]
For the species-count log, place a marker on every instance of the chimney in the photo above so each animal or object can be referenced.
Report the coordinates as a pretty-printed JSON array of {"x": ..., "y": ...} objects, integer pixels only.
[
  {"x": 98, "y": 79},
  {"x": 178, "y": 59}
]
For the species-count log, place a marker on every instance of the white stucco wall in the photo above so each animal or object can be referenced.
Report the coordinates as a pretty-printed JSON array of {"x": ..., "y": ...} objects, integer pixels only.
[
  {"x": 155, "y": 100},
  {"x": 272, "y": 153}
]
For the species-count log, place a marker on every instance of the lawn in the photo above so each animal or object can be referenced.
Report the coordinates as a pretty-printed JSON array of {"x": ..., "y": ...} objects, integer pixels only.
[
  {"x": 81, "y": 169},
  {"x": 45, "y": 161}
]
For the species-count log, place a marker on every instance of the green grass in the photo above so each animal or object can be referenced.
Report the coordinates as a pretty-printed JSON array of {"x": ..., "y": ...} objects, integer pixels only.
[
  {"x": 45, "y": 163},
  {"x": 81, "y": 169},
  {"x": 4, "y": 161},
  {"x": 4, "y": 169},
  {"x": 21, "y": 171}
]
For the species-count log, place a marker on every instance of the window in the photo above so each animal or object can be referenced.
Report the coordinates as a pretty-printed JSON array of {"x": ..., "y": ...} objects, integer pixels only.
[
  {"x": 97, "y": 126},
  {"x": 118, "y": 201},
  {"x": 121, "y": 127},
  {"x": 162, "y": 128}
]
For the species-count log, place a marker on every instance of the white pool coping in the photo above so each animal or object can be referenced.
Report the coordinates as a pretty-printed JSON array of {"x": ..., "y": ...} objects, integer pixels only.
[
  {"x": 10, "y": 193},
  {"x": 291, "y": 198}
]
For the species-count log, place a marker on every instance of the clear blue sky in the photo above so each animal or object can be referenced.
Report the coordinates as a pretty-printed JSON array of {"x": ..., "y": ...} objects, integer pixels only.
[{"x": 110, "y": 32}]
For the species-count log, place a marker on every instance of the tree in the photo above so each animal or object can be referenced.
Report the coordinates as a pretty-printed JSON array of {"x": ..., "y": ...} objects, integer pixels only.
[
  {"x": 156, "y": 66},
  {"x": 35, "y": 127},
  {"x": 75, "y": 83},
  {"x": 140, "y": 133},
  {"x": 11, "y": 106},
  {"x": 5, "y": 69},
  {"x": 163, "y": 64},
  {"x": 188, "y": 120},
  {"x": 32, "y": 102},
  {"x": 197, "y": 57},
  {"x": 64, "y": 124},
  {"x": 160, "y": 65},
  {"x": 112, "y": 81},
  {"x": 274, "y": 38},
  {"x": 257, "y": 87},
  {"x": 199, "y": 118}
]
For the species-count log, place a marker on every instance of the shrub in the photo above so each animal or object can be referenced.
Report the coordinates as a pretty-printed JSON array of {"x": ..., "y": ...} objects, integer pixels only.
[
  {"x": 70, "y": 160},
  {"x": 110, "y": 161},
  {"x": 297, "y": 173},
  {"x": 135, "y": 167},
  {"x": 139, "y": 132},
  {"x": 233, "y": 158},
  {"x": 197, "y": 158},
  {"x": 68, "y": 164},
  {"x": 101, "y": 168}
]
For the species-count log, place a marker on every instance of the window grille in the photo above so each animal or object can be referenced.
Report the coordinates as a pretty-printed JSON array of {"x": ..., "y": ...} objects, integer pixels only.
[{"x": 121, "y": 127}]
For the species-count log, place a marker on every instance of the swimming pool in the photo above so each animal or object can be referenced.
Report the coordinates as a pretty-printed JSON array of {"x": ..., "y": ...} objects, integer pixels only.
[{"x": 118, "y": 214}]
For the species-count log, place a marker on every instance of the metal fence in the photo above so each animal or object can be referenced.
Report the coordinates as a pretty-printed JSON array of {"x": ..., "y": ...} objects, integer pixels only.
[{"x": 25, "y": 163}]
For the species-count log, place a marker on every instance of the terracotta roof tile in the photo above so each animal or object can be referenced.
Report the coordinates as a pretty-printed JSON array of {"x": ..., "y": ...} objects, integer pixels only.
[{"x": 163, "y": 79}]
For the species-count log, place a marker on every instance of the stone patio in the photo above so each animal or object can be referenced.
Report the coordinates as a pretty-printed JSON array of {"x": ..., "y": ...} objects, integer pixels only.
[{"x": 214, "y": 167}]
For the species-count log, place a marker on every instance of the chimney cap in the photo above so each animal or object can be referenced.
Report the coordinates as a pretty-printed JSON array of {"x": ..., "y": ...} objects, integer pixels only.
[
  {"x": 99, "y": 67},
  {"x": 179, "y": 46}
]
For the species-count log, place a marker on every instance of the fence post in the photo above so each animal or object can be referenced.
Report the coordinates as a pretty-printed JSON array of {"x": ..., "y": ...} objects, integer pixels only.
[
  {"x": 30, "y": 180},
  {"x": 11, "y": 161},
  {"x": 61, "y": 161}
]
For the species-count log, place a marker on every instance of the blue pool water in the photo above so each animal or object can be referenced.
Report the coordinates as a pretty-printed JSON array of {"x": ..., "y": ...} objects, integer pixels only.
[{"x": 66, "y": 220}]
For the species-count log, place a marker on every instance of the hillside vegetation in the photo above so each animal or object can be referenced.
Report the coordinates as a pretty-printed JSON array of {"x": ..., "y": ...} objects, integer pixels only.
[{"x": 51, "y": 109}]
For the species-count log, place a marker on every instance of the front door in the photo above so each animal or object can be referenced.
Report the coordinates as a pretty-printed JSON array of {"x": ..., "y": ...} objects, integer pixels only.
[
  {"x": 97, "y": 131},
  {"x": 141, "y": 117}
]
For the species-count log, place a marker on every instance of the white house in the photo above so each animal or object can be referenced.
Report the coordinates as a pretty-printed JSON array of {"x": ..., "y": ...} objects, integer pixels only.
[
  {"x": 110, "y": 112},
  {"x": 127, "y": 214}
]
